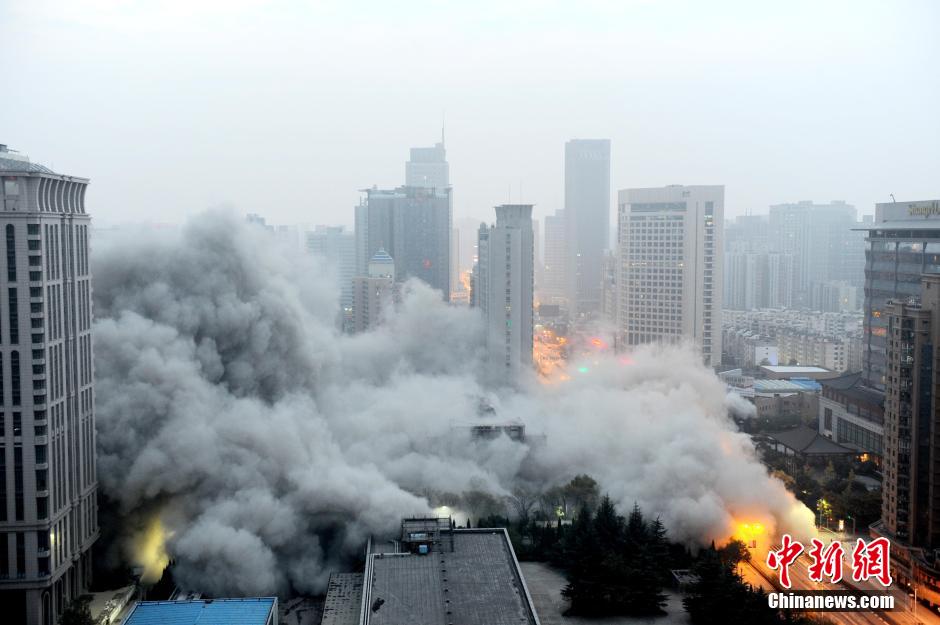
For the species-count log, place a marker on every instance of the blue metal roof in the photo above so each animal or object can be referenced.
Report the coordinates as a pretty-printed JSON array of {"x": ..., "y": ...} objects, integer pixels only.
[{"x": 254, "y": 611}]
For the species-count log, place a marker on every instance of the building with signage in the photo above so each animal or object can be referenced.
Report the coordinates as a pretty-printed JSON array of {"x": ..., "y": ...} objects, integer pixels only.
[{"x": 902, "y": 244}]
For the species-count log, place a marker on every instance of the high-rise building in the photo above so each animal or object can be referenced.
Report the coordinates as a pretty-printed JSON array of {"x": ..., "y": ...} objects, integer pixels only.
[
  {"x": 553, "y": 285},
  {"x": 822, "y": 241},
  {"x": 903, "y": 243},
  {"x": 373, "y": 292},
  {"x": 670, "y": 277},
  {"x": 337, "y": 248},
  {"x": 757, "y": 280},
  {"x": 503, "y": 290},
  {"x": 48, "y": 484},
  {"x": 587, "y": 216},
  {"x": 910, "y": 508},
  {"x": 428, "y": 168},
  {"x": 413, "y": 224}
]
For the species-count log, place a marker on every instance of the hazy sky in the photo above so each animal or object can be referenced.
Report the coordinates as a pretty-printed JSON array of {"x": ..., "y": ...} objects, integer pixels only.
[{"x": 287, "y": 108}]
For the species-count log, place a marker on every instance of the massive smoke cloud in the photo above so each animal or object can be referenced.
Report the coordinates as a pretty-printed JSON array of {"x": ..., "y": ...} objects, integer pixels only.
[{"x": 270, "y": 446}]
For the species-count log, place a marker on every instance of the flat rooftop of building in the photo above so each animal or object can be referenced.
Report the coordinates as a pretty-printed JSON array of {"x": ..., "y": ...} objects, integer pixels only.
[
  {"x": 794, "y": 369},
  {"x": 251, "y": 611},
  {"x": 476, "y": 581},
  {"x": 343, "y": 599},
  {"x": 808, "y": 372},
  {"x": 778, "y": 386}
]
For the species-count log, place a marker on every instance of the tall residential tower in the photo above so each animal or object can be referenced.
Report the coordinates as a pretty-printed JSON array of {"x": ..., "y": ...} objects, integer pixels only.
[{"x": 48, "y": 505}]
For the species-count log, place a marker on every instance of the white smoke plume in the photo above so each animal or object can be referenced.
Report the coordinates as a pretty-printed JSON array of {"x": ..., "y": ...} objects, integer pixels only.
[{"x": 270, "y": 446}]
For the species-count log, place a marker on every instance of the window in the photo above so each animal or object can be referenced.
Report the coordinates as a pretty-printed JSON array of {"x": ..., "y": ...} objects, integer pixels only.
[
  {"x": 32, "y": 228},
  {"x": 14, "y": 323},
  {"x": 15, "y": 378},
  {"x": 11, "y": 186},
  {"x": 11, "y": 253}
]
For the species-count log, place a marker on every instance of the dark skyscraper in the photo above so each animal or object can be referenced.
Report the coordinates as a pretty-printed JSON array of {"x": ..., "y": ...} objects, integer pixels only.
[
  {"x": 587, "y": 213},
  {"x": 903, "y": 243},
  {"x": 413, "y": 225},
  {"x": 48, "y": 483}
]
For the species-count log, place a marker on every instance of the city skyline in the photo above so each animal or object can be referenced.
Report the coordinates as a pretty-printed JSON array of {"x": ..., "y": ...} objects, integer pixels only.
[{"x": 318, "y": 126}]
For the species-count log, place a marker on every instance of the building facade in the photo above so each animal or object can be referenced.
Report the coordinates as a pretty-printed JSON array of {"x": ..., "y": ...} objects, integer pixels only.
[
  {"x": 414, "y": 225},
  {"x": 902, "y": 244},
  {"x": 48, "y": 484},
  {"x": 910, "y": 508},
  {"x": 823, "y": 241},
  {"x": 428, "y": 168},
  {"x": 757, "y": 280},
  {"x": 670, "y": 275},
  {"x": 503, "y": 290},
  {"x": 374, "y": 292},
  {"x": 552, "y": 289},
  {"x": 587, "y": 221},
  {"x": 337, "y": 248}
]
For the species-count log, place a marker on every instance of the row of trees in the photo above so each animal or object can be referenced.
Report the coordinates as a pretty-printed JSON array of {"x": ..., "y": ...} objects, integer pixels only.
[
  {"x": 719, "y": 595},
  {"x": 833, "y": 483},
  {"x": 618, "y": 565}
]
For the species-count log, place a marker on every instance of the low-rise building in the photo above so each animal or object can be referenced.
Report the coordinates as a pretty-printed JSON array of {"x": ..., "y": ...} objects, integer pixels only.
[
  {"x": 852, "y": 414},
  {"x": 250, "y": 611},
  {"x": 433, "y": 573}
]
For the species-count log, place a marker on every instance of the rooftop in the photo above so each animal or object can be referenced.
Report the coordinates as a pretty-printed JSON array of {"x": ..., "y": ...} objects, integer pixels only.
[
  {"x": 852, "y": 386},
  {"x": 785, "y": 386},
  {"x": 11, "y": 160},
  {"x": 809, "y": 442},
  {"x": 795, "y": 370},
  {"x": 253, "y": 611},
  {"x": 343, "y": 599},
  {"x": 469, "y": 577}
]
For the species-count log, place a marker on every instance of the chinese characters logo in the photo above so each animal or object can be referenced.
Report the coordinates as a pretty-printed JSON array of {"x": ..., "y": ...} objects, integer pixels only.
[{"x": 870, "y": 560}]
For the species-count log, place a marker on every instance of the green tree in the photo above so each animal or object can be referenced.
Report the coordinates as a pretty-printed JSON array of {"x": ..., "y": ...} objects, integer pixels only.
[
  {"x": 582, "y": 492},
  {"x": 77, "y": 612}
]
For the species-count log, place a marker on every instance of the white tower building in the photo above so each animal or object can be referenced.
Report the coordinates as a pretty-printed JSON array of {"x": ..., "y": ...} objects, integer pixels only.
[
  {"x": 670, "y": 277},
  {"x": 48, "y": 483}
]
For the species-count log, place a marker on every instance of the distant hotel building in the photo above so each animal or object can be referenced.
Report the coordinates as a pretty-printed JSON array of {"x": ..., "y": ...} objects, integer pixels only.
[
  {"x": 903, "y": 243},
  {"x": 503, "y": 289},
  {"x": 48, "y": 484},
  {"x": 670, "y": 275},
  {"x": 587, "y": 219}
]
